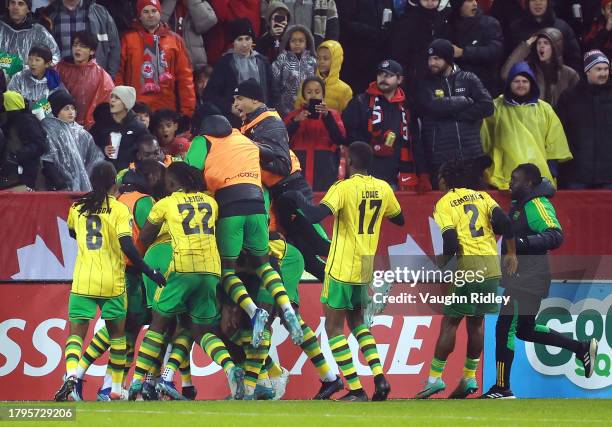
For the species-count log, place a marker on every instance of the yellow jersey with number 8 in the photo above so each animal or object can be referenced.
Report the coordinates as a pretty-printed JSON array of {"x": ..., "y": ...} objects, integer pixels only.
[
  {"x": 190, "y": 220},
  {"x": 99, "y": 270},
  {"x": 359, "y": 204},
  {"x": 469, "y": 212}
]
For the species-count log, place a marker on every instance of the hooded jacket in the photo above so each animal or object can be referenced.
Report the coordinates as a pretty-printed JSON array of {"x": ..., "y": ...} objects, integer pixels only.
[
  {"x": 482, "y": 42},
  {"x": 319, "y": 16},
  {"x": 550, "y": 89},
  {"x": 586, "y": 111},
  {"x": 289, "y": 70},
  {"x": 337, "y": 93},
  {"x": 199, "y": 18},
  {"x": 537, "y": 231},
  {"x": 36, "y": 91},
  {"x": 527, "y": 26},
  {"x": 176, "y": 93},
  {"x": 25, "y": 141},
  {"x": 100, "y": 23},
  {"x": 451, "y": 110},
  {"x": 20, "y": 41},
  {"x": 268, "y": 44},
  {"x": 89, "y": 84},
  {"x": 528, "y": 132},
  {"x": 131, "y": 129}
]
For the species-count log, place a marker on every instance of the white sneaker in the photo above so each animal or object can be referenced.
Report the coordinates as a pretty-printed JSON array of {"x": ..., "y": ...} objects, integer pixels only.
[{"x": 279, "y": 384}]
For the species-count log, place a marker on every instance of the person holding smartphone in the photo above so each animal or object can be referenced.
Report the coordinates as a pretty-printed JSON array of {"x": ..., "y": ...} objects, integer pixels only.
[
  {"x": 315, "y": 132},
  {"x": 277, "y": 19}
]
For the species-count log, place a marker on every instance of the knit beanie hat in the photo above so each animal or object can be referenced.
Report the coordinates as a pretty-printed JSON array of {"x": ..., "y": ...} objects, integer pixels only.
[
  {"x": 127, "y": 95},
  {"x": 59, "y": 99},
  {"x": 241, "y": 27},
  {"x": 13, "y": 101},
  {"x": 442, "y": 49},
  {"x": 144, "y": 3},
  {"x": 594, "y": 57},
  {"x": 250, "y": 89}
]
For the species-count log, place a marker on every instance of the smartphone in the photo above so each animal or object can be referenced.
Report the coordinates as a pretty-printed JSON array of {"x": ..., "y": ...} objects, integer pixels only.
[
  {"x": 312, "y": 105},
  {"x": 279, "y": 19}
]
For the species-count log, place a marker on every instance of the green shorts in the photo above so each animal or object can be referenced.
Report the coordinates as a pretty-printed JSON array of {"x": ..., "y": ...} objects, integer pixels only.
[
  {"x": 487, "y": 288},
  {"x": 157, "y": 257},
  {"x": 191, "y": 293},
  {"x": 82, "y": 307},
  {"x": 136, "y": 307},
  {"x": 249, "y": 232},
  {"x": 291, "y": 270},
  {"x": 343, "y": 296}
]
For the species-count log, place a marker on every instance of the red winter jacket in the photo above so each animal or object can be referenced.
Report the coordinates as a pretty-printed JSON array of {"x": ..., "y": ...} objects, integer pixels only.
[
  {"x": 217, "y": 39},
  {"x": 312, "y": 135}
]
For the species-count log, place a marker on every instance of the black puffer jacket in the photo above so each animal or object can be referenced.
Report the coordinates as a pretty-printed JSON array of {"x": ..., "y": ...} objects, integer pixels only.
[
  {"x": 131, "y": 130},
  {"x": 482, "y": 42},
  {"x": 527, "y": 26},
  {"x": 451, "y": 111},
  {"x": 586, "y": 114}
]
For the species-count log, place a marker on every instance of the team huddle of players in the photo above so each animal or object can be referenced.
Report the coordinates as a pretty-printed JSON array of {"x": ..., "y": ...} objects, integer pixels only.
[{"x": 208, "y": 251}]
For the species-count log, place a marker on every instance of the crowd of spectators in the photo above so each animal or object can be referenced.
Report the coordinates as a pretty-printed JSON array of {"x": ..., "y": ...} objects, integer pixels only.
[{"x": 423, "y": 82}]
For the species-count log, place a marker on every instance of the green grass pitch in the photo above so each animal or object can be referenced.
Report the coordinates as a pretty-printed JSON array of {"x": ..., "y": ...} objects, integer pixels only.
[{"x": 436, "y": 412}]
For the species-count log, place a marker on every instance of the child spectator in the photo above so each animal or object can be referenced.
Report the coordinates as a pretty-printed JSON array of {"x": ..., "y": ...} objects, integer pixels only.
[
  {"x": 330, "y": 56},
  {"x": 277, "y": 18},
  {"x": 315, "y": 132},
  {"x": 71, "y": 151},
  {"x": 143, "y": 112},
  {"x": 201, "y": 74},
  {"x": 37, "y": 81},
  {"x": 165, "y": 125},
  {"x": 87, "y": 82},
  {"x": 295, "y": 64}
]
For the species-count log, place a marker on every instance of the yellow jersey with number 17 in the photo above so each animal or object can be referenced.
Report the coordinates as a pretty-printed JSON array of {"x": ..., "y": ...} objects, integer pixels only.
[
  {"x": 359, "y": 204},
  {"x": 469, "y": 212},
  {"x": 99, "y": 270},
  {"x": 190, "y": 220}
]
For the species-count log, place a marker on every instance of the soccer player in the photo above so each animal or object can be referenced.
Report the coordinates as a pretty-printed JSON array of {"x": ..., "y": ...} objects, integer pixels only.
[
  {"x": 469, "y": 220},
  {"x": 231, "y": 166},
  {"x": 102, "y": 227},
  {"x": 538, "y": 231},
  {"x": 191, "y": 287},
  {"x": 359, "y": 204}
]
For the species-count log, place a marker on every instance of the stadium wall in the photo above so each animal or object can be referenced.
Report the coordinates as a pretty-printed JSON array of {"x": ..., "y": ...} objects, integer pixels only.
[{"x": 37, "y": 257}]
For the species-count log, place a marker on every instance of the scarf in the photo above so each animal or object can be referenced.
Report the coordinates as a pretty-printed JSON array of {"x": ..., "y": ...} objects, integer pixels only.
[
  {"x": 154, "y": 65},
  {"x": 246, "y": 66},
  {"x": 383, "y": 142}
]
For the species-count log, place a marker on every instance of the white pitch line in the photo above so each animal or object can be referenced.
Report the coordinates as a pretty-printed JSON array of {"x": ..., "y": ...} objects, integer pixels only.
[{"x": 336, "y": 415}]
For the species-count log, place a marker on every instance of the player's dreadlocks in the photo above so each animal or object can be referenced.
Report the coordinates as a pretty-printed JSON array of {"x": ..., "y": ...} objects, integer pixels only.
[
  {"x": 189, "y": 177},
  {"x": 103, "y": 177},
  {"x": 465, "y": 173}
]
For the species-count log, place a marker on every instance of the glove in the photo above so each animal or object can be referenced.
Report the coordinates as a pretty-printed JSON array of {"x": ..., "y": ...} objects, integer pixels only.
[
  {"x": 424, "y": 184},
  {"x": 406, "y": 181},
  {"x": 156, "y": 276}
]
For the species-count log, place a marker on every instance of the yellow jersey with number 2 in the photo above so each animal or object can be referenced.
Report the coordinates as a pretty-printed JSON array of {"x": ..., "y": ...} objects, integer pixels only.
[
  {"x": 469, "y": 212},
  {"x": 359, "y": 204},
  {"x": 99, "y": 270},
  {"x": 190, "y": 220}
]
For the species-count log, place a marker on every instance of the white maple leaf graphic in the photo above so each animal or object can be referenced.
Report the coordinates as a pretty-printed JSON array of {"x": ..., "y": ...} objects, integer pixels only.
[{"x": 37, "y": 262}]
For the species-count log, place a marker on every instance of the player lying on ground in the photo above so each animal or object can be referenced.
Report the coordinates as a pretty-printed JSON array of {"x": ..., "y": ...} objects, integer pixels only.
[
  {"x": 103, "y": 229},
  {"x": 469, "y": 220},
  {"x": 359, "y": 204},
  {"x": 538, "y": 231}
]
